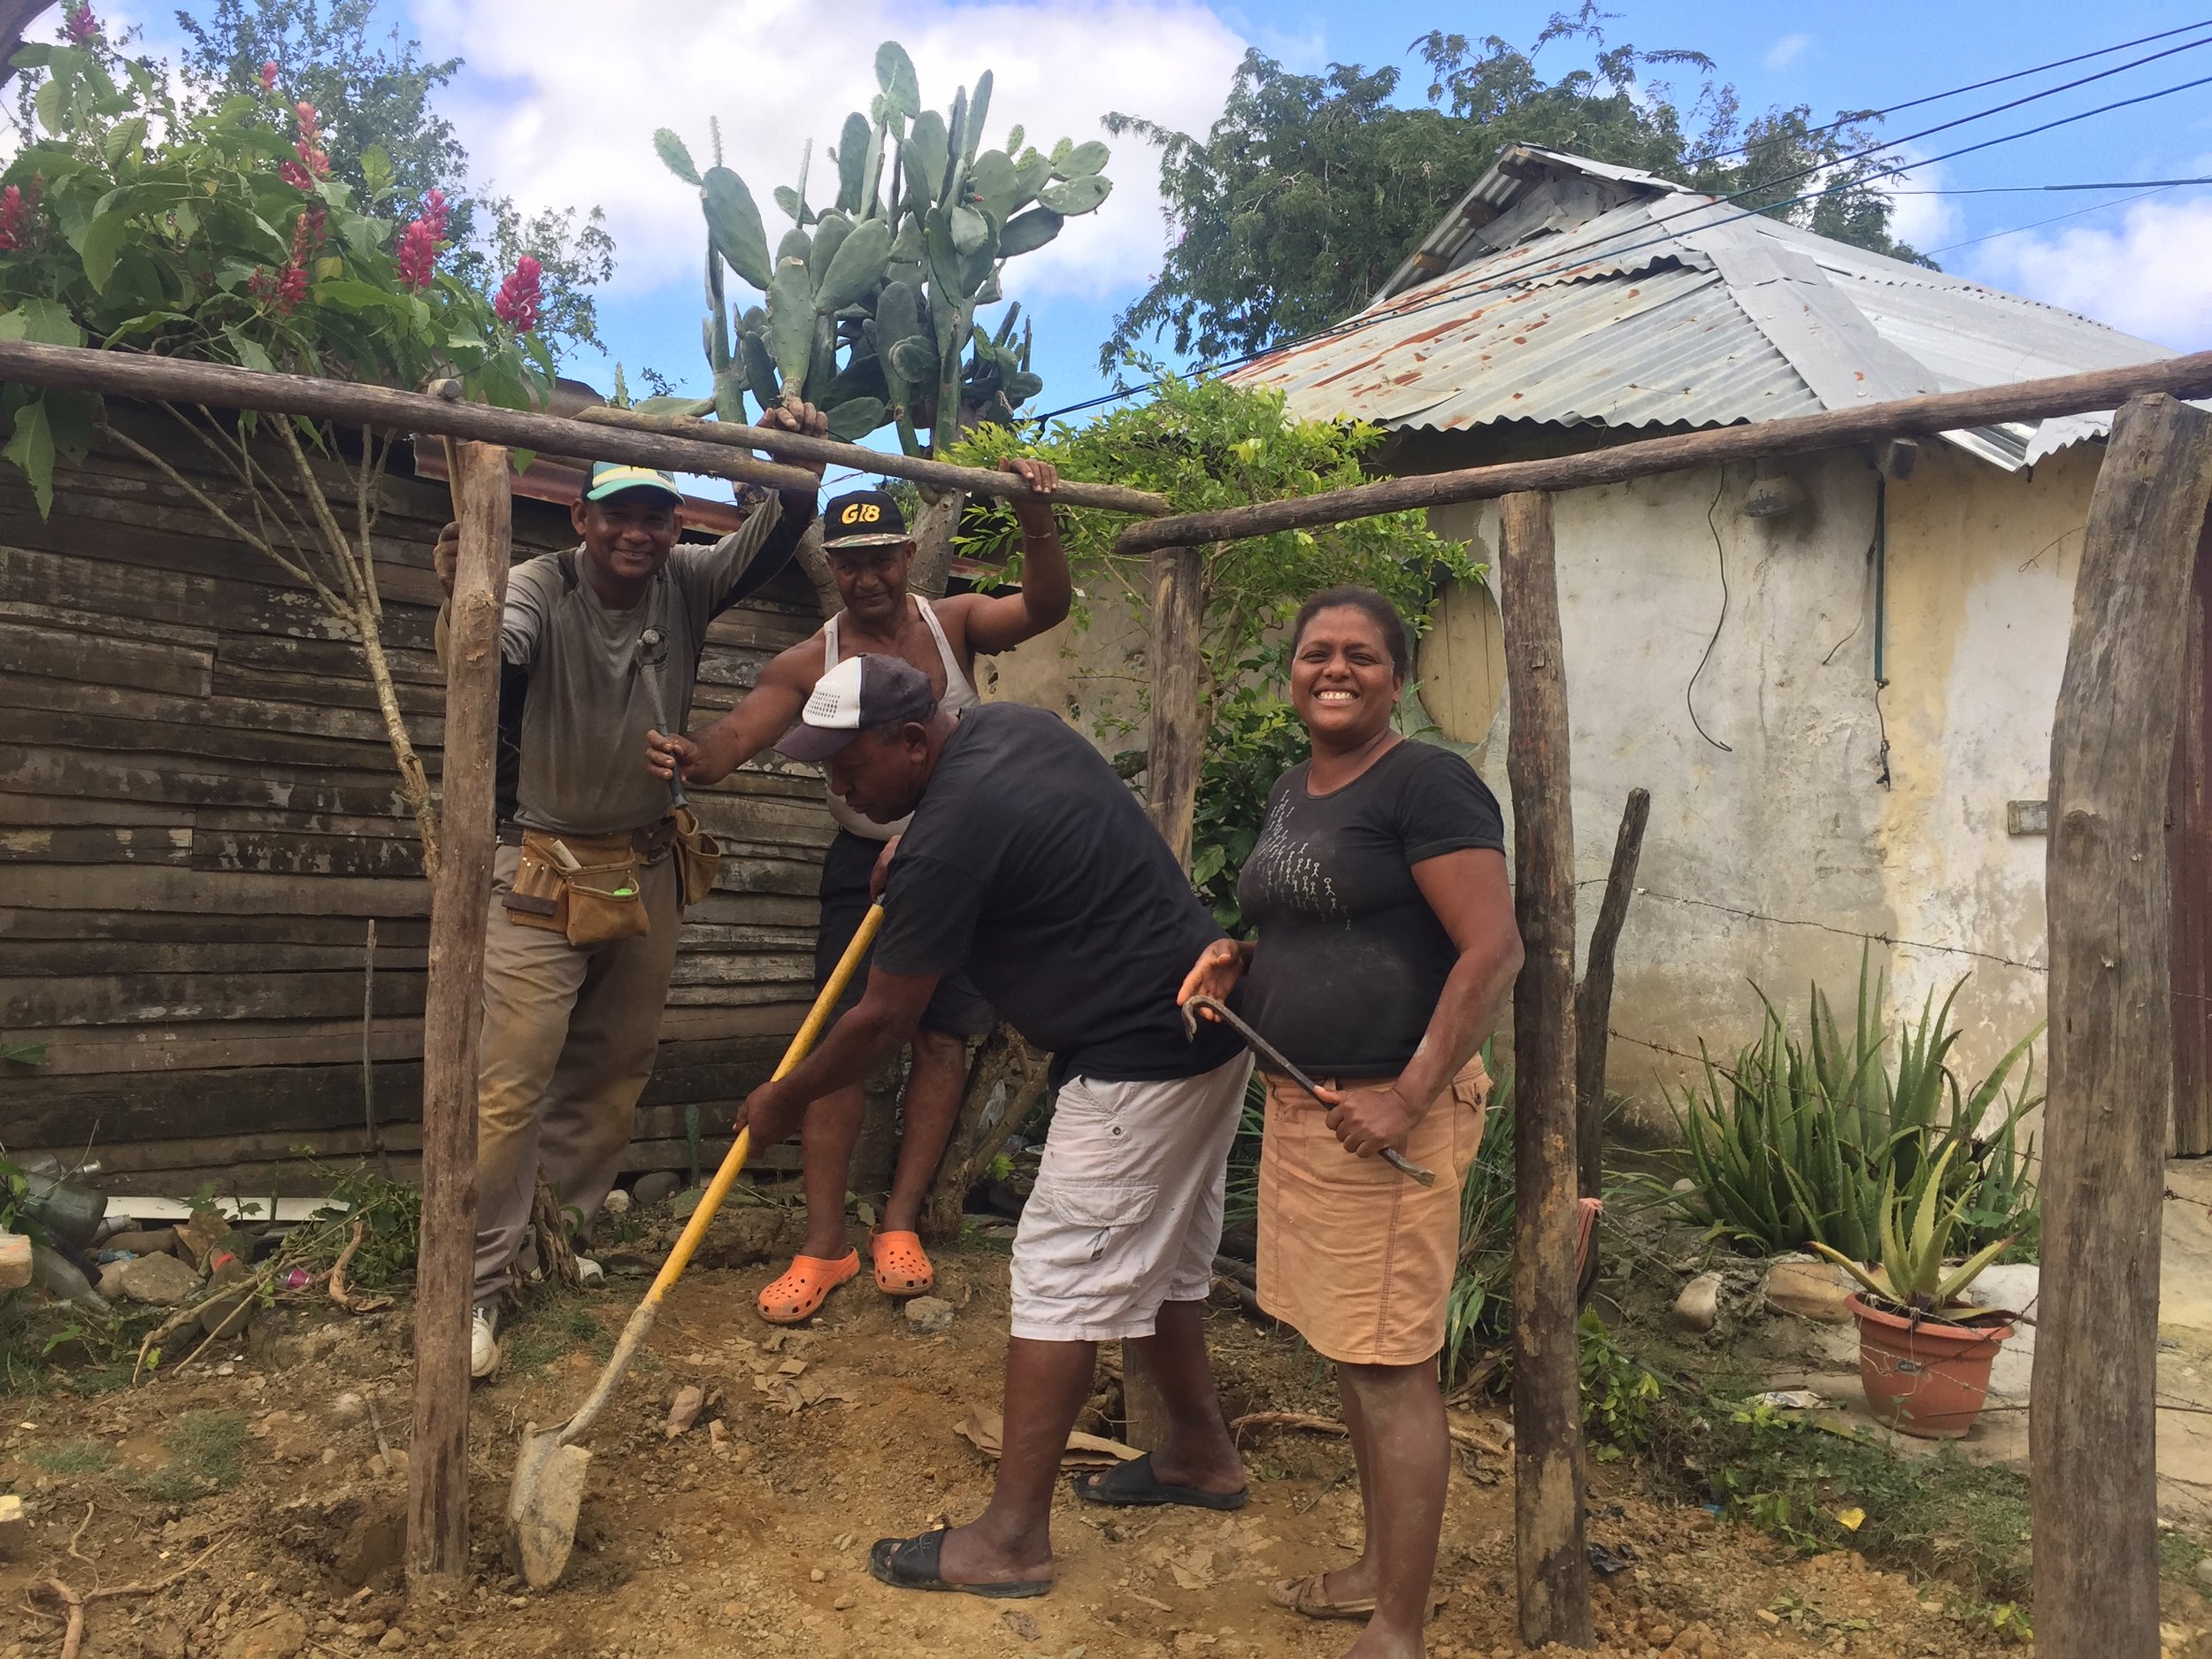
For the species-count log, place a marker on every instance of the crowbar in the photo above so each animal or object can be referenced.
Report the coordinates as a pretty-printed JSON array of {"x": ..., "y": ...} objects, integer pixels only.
[
  {"x": 548, "y": 1491},
  {"x": 1273, "y": 1056}
]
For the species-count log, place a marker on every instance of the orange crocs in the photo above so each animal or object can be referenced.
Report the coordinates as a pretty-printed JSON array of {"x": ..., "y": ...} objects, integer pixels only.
[
  {"x": 902, "y": 1268},
  {"x": 799, "y": 1294}
]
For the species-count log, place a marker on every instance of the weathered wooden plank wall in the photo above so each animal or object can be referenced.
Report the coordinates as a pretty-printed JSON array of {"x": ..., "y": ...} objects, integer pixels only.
[{"x": 199, "y": 815}]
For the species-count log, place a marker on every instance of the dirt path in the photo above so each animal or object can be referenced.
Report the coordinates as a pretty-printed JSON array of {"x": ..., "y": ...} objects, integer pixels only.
[{"x": 756, "y": 1542}]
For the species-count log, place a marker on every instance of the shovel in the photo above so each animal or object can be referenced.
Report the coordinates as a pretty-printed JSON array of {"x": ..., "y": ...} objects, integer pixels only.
[{"x": 548, "y": 1485}]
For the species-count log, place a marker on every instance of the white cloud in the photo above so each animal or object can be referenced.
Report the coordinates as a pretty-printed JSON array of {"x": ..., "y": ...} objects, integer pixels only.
[
  {"x": 2147, "y": 277},
  {"x": 1921, "y": 220},
  {"x": 1786, "y": 52},
  {"x": 559, "y": 103}
]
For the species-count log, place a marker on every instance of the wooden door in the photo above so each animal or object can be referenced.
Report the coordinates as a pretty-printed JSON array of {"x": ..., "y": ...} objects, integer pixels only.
[{"x": 2189, "y": 866}]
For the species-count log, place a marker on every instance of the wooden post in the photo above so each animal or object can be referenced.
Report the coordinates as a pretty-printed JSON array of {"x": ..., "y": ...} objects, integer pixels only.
[
  {"x": 1554, "y": 1570},
  {"x": 437, "y": 1459},
  {"x": 1178, "y": 722},
  {"x": 1593, "y": 998},
  {"x": 2091, "y": 1435}
]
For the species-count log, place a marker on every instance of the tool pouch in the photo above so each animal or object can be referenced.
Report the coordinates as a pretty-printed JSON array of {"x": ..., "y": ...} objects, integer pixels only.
[
  {"x": 604, "y": 903},
  {"x": 539, "y": 896},
  {"x": 698, "y": 857}
]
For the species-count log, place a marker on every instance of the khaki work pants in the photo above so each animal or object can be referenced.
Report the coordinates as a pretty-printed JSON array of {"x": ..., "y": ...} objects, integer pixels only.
[{"x": 566, "y": 1048}]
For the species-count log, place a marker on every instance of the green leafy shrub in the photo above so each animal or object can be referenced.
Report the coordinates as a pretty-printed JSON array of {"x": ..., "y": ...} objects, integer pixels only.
[
  {"x": 1481, "y": 1309},
  {"x": 1802, "y": 1142}
]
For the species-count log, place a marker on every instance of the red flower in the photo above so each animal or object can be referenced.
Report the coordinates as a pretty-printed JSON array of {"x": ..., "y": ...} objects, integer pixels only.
[
  {"x": 296, "y": 176},
  {"x": 82, "y": 25},
  {"x": 269, "y": 76},
  {"x": 418, "y": 253},
  {"x": 11, "y": 218},
  {"x": 519, "y": 295},
  {"x": 436, "y": 211},
  {"x": 312, "y": 157}
]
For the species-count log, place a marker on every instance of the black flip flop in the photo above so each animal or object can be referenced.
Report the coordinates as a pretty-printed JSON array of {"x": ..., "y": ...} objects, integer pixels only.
[
  {"x": 1132, "y": 1485},
  {"x": 910, "y": 1563}
]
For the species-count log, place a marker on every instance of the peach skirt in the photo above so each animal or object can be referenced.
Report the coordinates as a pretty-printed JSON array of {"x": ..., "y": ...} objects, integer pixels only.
[{"x": 1356, "y": 1257}]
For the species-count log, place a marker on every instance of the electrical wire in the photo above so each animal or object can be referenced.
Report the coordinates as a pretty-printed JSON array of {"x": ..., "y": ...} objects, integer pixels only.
[
  {"x": 2019, "y": 189},
  {"x": 2060, "y": 218},
  {"x": 1555, "y": 259},
  {"x": 1718, "y": 622}
]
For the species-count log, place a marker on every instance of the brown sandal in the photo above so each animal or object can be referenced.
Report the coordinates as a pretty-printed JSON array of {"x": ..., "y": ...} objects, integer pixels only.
[{"x": 1309, "y": 1596}]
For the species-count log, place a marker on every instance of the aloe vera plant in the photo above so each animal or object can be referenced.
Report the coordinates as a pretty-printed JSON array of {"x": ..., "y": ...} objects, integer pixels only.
[
  {"x": 1916, "y": 1230},
  {"x": 869, "y": 304},
  {"x": 1804, "y": 1140}
]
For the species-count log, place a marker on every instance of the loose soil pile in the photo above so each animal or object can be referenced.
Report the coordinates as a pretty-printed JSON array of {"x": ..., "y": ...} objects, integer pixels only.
[{"x": 748, "y": 1533}]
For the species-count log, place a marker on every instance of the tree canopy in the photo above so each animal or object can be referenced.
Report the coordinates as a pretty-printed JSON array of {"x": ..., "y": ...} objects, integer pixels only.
[
  {"x": 1309, "y": 191},
  {"x": 379, "y": 92}
]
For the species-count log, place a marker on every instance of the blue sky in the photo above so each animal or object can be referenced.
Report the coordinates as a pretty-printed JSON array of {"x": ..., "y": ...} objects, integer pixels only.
[{"x": 558, "y": 122}]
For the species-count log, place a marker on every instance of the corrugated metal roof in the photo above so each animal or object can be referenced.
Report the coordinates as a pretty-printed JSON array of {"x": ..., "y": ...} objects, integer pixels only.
[{"x": 1563, "y": 290}]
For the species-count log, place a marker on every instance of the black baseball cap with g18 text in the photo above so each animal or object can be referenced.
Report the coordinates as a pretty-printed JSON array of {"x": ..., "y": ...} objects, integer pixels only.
[{"x": 867, "y": 518}]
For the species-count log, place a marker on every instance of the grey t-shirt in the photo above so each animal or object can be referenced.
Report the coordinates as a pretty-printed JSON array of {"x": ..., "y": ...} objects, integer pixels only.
[{"x": 585, "y": 703}]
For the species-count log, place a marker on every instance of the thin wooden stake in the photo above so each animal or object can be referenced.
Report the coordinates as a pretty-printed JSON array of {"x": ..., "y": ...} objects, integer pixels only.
[
  {"x": 1593, "y": 997},
  {"x": 1554, "y": 1571},
  {"x": 2092, "y": 1433},
  {"x": 437, "y": 1461}
]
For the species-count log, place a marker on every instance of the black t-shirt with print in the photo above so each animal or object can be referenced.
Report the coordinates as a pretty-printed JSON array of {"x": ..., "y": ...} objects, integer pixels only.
[
  {"x": 1350, "y": 959},
  {"x": 1031, "y": 863}
]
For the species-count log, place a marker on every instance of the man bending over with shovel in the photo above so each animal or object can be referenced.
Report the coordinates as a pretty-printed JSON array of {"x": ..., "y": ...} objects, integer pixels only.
[
  {"x": 866, "y": 546},
  {"x": 1028, "y": 862},
  {"x": 598, "y": 645}
]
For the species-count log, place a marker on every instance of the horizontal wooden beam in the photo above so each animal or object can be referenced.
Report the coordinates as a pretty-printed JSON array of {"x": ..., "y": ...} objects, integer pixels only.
[
  {"x": 795, "y": 446},
  {"x": 220, "y": 385},
  {"x": 1944, "y": 412}
]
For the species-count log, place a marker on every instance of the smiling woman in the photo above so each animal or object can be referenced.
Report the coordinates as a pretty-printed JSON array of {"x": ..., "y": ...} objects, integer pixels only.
[{"x": 1386, "y": 946}]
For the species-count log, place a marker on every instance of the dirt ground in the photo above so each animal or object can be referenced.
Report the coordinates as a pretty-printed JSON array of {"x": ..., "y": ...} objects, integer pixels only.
[{"x": 753, "y": 1538}]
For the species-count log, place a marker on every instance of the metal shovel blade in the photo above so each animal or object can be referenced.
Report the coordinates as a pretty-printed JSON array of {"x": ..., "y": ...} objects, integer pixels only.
[{"x": 542, "y": 1505}]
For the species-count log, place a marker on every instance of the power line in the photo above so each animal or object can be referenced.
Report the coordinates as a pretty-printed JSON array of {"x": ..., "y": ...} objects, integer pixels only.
[
  {"x": 2019, "y": 189},
  {"x": 1557, "y": 259},
  {"x": 2057, "y": 218}
]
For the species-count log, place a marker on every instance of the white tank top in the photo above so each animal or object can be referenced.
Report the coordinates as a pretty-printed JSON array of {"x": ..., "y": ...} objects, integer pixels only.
[{"x": 959, "y": 695}]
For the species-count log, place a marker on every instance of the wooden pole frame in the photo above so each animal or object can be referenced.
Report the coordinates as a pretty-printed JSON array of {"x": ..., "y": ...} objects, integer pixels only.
[
  {"x": 1948, "y": 411},
  {"x": 2093, "y": 1477},
  {"x": 437, "y": 1459},
  {"x": 1553, "y": 1562}
]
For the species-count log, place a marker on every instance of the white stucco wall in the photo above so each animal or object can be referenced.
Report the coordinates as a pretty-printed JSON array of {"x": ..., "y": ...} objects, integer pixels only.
[{"x": 1792, "y": 819}]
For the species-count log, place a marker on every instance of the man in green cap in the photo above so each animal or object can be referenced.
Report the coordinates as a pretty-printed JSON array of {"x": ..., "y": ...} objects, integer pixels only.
[{"x": 598, "y": 645}]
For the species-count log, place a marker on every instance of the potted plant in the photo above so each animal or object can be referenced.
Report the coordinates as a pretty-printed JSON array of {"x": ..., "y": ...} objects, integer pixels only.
[{"x": 1923, "y": 1356}]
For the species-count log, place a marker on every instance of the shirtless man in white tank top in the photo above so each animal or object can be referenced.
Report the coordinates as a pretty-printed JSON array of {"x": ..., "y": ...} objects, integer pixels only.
[{"x": 869, "y": 552}]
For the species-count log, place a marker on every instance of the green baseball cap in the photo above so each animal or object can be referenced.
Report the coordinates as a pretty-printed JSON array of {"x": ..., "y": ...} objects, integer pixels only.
[{"x": 612, "y": 478}]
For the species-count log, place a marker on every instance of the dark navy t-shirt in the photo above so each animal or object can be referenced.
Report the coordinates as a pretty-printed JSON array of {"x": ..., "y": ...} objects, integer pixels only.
[
  {"x": 1350, "y": 959},
  {"x": 1030, "y": 863}
]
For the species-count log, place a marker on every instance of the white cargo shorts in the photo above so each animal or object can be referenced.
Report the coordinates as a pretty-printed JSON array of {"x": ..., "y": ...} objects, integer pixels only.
[{"x": 1126, "y": 1211}]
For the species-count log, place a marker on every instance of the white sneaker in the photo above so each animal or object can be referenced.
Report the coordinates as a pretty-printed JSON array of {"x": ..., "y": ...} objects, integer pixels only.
[
  {"x": 589, "y": 1274},
  {"x": 483, "y": 1350}
]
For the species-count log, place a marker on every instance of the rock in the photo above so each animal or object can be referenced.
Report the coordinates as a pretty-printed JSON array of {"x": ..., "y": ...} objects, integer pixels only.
[
  {"x": 14, "y": 1530},
  {"x": 280, "y": 1635},
  {"x": 160, "y": 1281},
  {"x": 1685, "y": 1185},
  {"x": 654, "y": 1185},
  {"x": 163, "y": 1639},
  {"x": 931, "y": 1315},
  {"x": 348, "y": 1407},
  {"x": 145, "y": 1242},
  {"x": 392, "y": 1641},
  {"x": 1698, "y": 1307},
  {"x": 1021, "y": 1623},
  {"x": 2012, "y": 1285},
  {"x": 110, "y": 1285},
  {"x": 1811, "y": 1290},
  {"x": 374, "y": 1543},
  {"x": 683, "y": 1409},
  {"x": 2204, "y": 1572},
  {"x": 15, "y": 1261},
  {"x": 616, "y": 1202}
]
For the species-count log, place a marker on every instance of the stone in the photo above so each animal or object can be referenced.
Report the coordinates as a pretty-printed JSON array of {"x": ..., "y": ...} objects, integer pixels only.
[
  {"x": 163, "y": 1639},
  {"x": 1698, "y": 1307},
  {"x": 930, "y": 1316},
  {"x": 279, "y": 1635},
  {"x": 15, "y": 1261},
  {"x": 654, "y": 1185},
  {"x": 145, "y": 1242},
  {"x": 683, "y": 1409},
  {"x": 2204, "y": 1572},
  {"x": 110, "y": 1285},
  {"x": 160, "y": 1281},
  {"x": 14, "y": 1530},
  {"x": 348, "y": 1407},
  {"x": 1810, "y": 1290},
  {"x": 2010, "y": 1285},
  {"x": 1685, "y": 1185},
  {"x": 616, "y": 1202},
  {"x": 392, "y": 1641},
  {"x": 370, "y": 1550}
]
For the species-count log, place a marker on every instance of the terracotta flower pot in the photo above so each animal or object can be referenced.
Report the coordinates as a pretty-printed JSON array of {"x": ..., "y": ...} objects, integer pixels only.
[{"x": 1927, "y": 1379}]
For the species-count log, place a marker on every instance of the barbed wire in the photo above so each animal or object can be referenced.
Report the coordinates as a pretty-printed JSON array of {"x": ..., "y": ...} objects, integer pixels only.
[{"x": 1892, "y": 940}]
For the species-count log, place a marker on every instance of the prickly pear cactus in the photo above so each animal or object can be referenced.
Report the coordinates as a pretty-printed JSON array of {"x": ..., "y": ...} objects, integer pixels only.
[{"x": 869, "y": 307}]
